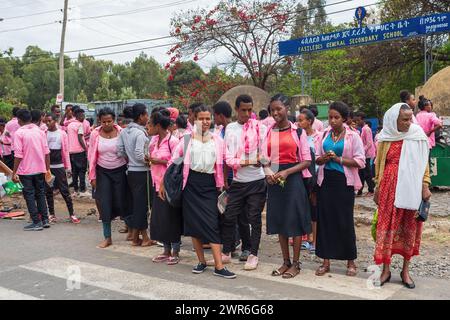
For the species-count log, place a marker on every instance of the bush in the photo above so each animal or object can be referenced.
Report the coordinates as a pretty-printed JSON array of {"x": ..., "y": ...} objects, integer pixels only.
[{"x": 5, "y": 109}]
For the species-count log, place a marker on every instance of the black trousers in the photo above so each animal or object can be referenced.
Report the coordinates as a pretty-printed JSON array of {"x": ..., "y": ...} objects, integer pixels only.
[
  {"x": 79, "y": 169},
  {"x": 34, "y": 194},
  {"x": 9, "y": 161},
  {"x": 242, "y": 229},
  {"x": 61, "y": 184},
  {"x": 366, "y": 176},
  {"x": 244, "y": 198}
]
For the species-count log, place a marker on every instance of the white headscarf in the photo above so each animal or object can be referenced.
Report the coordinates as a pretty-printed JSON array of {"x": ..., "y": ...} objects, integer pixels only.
[{"x": 413, "y": 159}]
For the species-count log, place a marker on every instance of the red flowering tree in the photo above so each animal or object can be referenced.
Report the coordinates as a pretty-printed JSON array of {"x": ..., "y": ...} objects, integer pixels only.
[{"x": 248, "y": 30}]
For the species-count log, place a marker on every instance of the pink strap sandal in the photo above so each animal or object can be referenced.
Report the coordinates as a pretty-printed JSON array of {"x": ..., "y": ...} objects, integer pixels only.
[
  {"x": 173, "y": 260},
  {"x": 161, "y": 258}
]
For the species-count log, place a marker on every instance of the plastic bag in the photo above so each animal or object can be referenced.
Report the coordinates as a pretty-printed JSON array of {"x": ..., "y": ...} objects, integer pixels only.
[
  {"x": 374, "y": 225},
  {"x": 12, "y": 187}
]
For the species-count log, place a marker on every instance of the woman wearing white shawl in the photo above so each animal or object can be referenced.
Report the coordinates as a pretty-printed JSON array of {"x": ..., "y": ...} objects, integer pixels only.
[{"x": 402, "y": 179}]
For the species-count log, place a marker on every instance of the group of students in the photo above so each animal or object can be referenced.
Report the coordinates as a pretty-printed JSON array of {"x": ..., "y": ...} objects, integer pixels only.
[{"x": 306, "y": 175}]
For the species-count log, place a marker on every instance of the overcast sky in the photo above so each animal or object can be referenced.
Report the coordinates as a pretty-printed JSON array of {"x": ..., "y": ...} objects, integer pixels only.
[{"x": 148, "y": 21}]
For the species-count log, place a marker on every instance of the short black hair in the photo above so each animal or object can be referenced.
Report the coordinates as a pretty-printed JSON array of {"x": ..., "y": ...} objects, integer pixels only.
[
  {"x": 106, "y": 111},
  {"x": 36, "y": 116},
  {"x": 181, "y": 121},
  {"x": 77, "y": 111},
  {"x": 223, "y": 108},
  {"x": 282, "y": 98},
  {"x": 340, "y": 107},
  {"x": 202, "y": 108},
  {"x": 2, "y": 121},
  {"x": 194, "y": 106},
  {"x": 24, "y": 115},
  {"x": 360, "y": 114},
  {"x": 69, "y": 106},
  {"x": 138, "y": 110},
  {"x": 52, "y": 109},
  {"x": 14, "y": 111},
  {"x": 128, "y": 112},
  {"x": 314, "y": 110},
  {"x": 405, "y": 95},
  {"x": 263, "y": 114},
  {"x": 245, "y": 98},
  {"x": 74, "y": 108},
  {"x": 52, "y": 115},
  {"x": 161, "y": 117},
  {"x": 291, "y": 118}
]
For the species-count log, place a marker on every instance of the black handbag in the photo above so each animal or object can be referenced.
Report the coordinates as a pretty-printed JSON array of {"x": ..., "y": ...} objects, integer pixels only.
[
  {"x": 422, "y": 214},
  {"x": 173, "y": 179}
]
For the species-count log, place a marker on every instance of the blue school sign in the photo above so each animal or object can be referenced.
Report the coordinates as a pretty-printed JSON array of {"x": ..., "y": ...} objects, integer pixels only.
[{"x": 395, "y": 30}]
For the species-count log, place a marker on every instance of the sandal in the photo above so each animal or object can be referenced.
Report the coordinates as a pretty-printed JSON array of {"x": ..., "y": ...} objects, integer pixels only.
[
  {"x": 293, "y": 271},
  {"x": 161, "y": 258},
  {"x": 322, "y": 270},
  {"x": 173, "y": 260},
  {"x": 351, "y": 271},
  {"x": 281, "y": 270}
]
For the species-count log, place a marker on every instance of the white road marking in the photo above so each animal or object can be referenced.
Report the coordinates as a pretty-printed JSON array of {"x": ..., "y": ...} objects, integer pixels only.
[
  {"x": 125, "y": 282},
  {"x": 335, "y": 283},
  {"x": 8, "y": 294}
]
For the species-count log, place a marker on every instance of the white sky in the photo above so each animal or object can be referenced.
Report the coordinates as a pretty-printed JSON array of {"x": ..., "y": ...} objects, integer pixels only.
[{"x": 112, "y": 30}]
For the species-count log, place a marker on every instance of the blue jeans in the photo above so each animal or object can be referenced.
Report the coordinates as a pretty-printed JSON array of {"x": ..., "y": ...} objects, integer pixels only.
[
  {"x": 174, "y": 246},
  {"x": 34, "y": 194}
]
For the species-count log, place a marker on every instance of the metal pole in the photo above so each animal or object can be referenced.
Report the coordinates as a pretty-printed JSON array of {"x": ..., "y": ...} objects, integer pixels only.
[
  {"x": 61, "y": 50},
  {"x": 425, "y": 61}
]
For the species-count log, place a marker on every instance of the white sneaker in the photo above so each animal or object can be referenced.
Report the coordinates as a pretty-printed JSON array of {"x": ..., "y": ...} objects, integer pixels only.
[{"x": 252, "y": 263}]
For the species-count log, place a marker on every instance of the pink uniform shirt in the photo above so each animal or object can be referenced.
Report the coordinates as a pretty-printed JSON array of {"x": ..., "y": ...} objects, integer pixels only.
[
  {"x": 428, "y": 120},
  {"x": 10, "y": 129},
  {"x": 73, "y": 129},
  {"x": 369, "y": 145},
  {"x": 163, "y": 152},
  {"x": 30, "y": 144},
  {"x": 107, "y": 154},
  {"x": 317, "y": 125},
  {"x": 6, "y": 148}
]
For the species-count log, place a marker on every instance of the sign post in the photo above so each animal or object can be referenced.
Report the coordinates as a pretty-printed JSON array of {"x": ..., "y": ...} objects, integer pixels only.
[
  {"x": 360, "y": 14},
  {"x": 59, "y": 98}
]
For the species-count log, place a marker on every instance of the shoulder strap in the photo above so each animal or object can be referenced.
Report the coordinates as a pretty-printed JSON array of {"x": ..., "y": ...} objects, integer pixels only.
[
  {"x": 168, "y": 143},
  {"x": 299, "y": 132}
]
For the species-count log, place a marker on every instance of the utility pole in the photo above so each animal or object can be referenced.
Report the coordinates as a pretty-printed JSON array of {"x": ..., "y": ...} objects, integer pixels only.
[{"x": 61, "y": 49}]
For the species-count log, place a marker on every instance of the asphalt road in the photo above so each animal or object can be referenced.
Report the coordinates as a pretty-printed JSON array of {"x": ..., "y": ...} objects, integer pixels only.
[{"x": 64, "y": 263}]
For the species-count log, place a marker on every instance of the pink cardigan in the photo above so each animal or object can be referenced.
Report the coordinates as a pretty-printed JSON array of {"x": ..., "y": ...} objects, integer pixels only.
[
  {"x": 93, "y": 151},
  {"x": 163, "y": 153},
  {"x": 303, "y": 150},
  {"x": 64, "y": 149},
  {"x": 220, "y": 152},
  {"x": 353, "y": 149}
]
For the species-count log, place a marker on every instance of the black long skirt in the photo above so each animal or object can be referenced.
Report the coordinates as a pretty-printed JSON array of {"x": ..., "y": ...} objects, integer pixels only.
[
  {"x": 166, "y": 222},
  {"x": 111, "y": 192},
  {"x": 200, "y": 213},
  {"x": 336, "y": 238},
  {"x": 139, "y": 194},
  {"x": 288, "y": 209}
]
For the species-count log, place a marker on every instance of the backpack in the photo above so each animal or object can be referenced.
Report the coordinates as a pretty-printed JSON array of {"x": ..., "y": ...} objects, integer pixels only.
[
  {"x": 173, "y": 178},
  {"x": 311, "y": 182}
]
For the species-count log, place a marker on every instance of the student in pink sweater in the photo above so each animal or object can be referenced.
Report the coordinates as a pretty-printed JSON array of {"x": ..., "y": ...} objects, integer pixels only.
[{"x": 31, "y": 163}]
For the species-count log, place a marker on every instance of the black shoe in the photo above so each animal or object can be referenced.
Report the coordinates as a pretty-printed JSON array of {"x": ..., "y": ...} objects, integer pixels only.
[
  {"x": 386, "y": 280},
  {"x": 224, "y": 273},
  {"x": 411, "y": 285},
  {"x": 199, "y": 268},
  {"x": 33, "y": 227},
  {"x": 46, "y": 224}
]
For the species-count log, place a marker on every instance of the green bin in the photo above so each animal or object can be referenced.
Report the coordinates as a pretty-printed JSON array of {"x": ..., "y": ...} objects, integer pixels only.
[{"x": 440, "y": 165}]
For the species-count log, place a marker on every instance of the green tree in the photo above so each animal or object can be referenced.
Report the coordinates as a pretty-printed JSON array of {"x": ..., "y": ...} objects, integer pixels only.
[
  {"x": 81, "y": 97},
  {"x": 187, "y": 72},
  {"x": 147, "y": 76}
]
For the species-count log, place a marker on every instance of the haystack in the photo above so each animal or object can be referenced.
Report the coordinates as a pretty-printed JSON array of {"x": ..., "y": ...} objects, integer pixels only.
[
  {"x": 437, "y": 89},
  {"x": 260, "y": 97}
]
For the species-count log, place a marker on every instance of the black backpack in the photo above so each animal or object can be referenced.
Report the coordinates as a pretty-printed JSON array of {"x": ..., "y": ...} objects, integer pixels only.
[
  {"x": 173, "y": 178},
  {"x": 311, "y": 182}
]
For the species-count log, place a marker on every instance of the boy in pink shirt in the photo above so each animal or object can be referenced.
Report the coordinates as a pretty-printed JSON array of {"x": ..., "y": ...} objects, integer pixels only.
[
  {"x": 31, "y": 163},
  {"x": 8, "y": 137},
  {"x": 369, "y": 150},
  {"x": 78, "y": 150}
]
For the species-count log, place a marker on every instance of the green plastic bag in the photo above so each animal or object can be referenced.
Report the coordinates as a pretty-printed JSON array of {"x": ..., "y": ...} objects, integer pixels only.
[
  {"x": 374, "y": 225},
  {"x": 12, "y": 187}
]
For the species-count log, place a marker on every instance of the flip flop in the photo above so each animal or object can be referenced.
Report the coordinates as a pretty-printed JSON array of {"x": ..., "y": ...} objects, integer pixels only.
[
  {"x": 161, "y": 258},
  {"x": 173, "y": 260}
]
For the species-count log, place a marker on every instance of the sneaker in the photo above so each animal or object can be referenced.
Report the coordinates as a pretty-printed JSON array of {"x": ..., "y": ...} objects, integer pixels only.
[
  {"x": 306, "y": 245},
  {"x": 312, "y": 249},
  {"x": 238, "y": 245},
  {"x": 45, "y": 224},
  {"x": 226, "y": 259},
  {"x": 84, "y": 194},
  {"x": 199, "y": 268},
  {"x": 33, "y": 227},
  {"x": 224, "y": 273},
  {"x": 244, "y": 255},
  {"x": 160, "y": 244},
  {"x": 74, "y": 219},
  {"x": 252, "y": 263}
]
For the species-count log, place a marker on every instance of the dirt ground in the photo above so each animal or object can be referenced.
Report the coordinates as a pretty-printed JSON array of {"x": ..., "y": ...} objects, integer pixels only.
[{"x": 434, "y": 259}]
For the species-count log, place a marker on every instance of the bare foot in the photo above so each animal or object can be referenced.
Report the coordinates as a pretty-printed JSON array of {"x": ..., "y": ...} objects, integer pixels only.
[
  {"x": 105, "y": 244},
  {"x": 136, "y": 243},
  {"x": 148, "y": 243}
]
